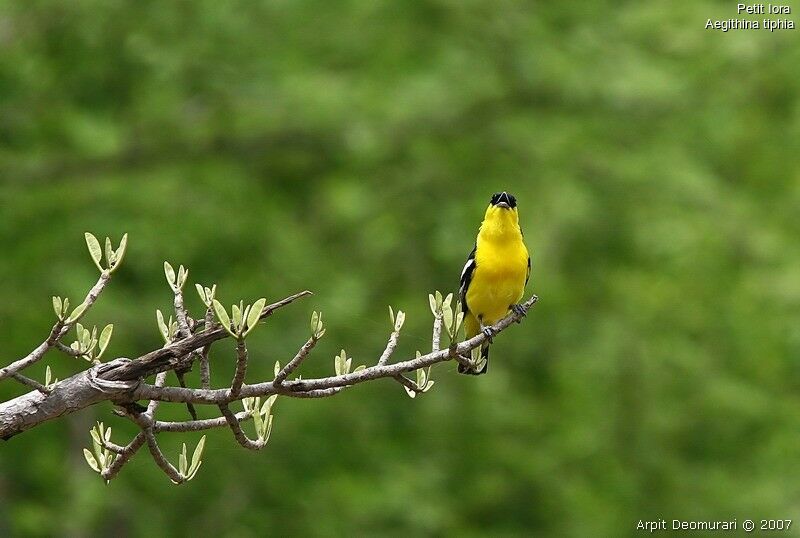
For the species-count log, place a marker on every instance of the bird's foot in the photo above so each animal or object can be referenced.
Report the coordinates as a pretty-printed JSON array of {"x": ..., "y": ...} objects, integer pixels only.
[
  {"x": 520, "y": 310},
  {"x": 489, "y": 332}
]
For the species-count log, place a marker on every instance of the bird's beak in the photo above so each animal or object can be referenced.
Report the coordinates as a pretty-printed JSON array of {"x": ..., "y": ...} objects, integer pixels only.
[{"x": 504, "y": 201}]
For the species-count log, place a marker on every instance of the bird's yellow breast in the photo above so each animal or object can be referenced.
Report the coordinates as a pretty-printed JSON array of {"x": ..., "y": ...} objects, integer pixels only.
[{"x": 501, "y": 268}]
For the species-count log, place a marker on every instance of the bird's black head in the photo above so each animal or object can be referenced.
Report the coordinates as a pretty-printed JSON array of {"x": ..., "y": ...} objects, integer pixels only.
[{"x": 503, "y": 199}]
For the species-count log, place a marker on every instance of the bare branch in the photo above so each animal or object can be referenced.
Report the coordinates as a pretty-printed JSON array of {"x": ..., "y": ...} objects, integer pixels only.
[
  {"x": 293, "y": 364},
  {"x": 299, "y": 388},
  {"x": 390, "y": 345},
  {"x": 159, "y": 458},
  {"x": 197, "y": 425},
  {"x": 437, "y": 333},
  {"x": 205, "y": 369},
  {"x": 168, "y": 357},
  {"x": 123, "y": 456},
  {"x": 28, "y": 382},
  {"x": 241, "y": 368},
  {"x": 152, "y": 407},
  {"x": 59, "y": 330},
  {"x": 238, "y": 433}
]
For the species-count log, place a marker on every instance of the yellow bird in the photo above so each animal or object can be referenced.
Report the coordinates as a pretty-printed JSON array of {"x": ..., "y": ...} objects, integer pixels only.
[{"x": 495, "y": 275}]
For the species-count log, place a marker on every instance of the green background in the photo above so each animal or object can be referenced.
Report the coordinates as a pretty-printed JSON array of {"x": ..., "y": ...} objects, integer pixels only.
[{"x": 350, "y": 148}]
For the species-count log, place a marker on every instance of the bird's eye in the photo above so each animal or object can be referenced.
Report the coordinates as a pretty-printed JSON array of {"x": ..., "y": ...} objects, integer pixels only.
[{"x": 495, "y": 198}]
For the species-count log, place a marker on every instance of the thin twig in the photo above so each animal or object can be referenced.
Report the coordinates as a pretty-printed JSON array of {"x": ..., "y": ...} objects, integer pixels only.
[
  {"x": 167, "y": 357},
  {"x": 437, "y": 333},
  {"x": 238, "y": 433},
  {"x": 205, "y": 369},
  {"x": 159, "y": 458},
  {"x": 124, "y": 456},
  {"x": 27, "y": 381},
  {"x": 241, "y": 368},
  {"x": 161, "y": 379},
  {"x": 293, "y": 364},
  {"x": 390, "y": 345},
  {"x": 406, "y": 382},
  {"x": 197, "y": 425},
  {"x": 305, "y": 387},
  {"x": 59, "y": 330},
  {"x": 66, "y": 349}
]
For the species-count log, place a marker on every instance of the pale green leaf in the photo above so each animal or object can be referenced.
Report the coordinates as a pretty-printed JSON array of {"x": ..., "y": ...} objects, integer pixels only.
[
  {"x": 183, "y": 463},
  {"x": 202, "y": 293},
  {"x": 169, "y": 272},
  {"x": 197, "y": 457},
  {"x": 236, "y": 317},
  {"x": 109, "y": 253},
  {"x": 58, "y": 306},
  {"x": 77, "y": 313},
  {"x": 105, "y": 338},
  {"x": 120, "y": 253},
  {"x": 91, "y": 460},
  {"x": 222, "y": 315},
  {"x": 95, "y": 250},
  {"x": 162, "y": 326},
  {"x": 255, "y": 313}
]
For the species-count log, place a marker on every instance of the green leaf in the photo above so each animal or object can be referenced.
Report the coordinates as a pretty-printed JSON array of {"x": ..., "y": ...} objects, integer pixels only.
[
  {"x": 109, "y": 253},
  {"x": 48, "y": 374},
  {"x": 277, "y": 367},
  {"x": 222, "y": 316},
  {"x": 120, "y": 253},
  {"x": 77, "y": 313},
  {"x": 360, "y": 367},
  {"x": 438, "y": 298},
  {"x": 169, "y": 272},
  {"x": 181, "y": 278},
  {"x": 202, "y": 293},
  {"x": 391, "y": 316},
  {"x": 162, "y": 326},
  {"x": 257, "y": 421},
  {"x": 459, "y": 320},
  {"x": 448, "y": 299},
  {"x": 57, "y": 306},
  {"x": 255, "y": 314},
  {"x": 236, "y": 317},
  {"x": 411, "y": 393},
  {"x": 95, "y": 436},
  {"x": 267, "y": 407},
  {"x": 105, "y": 338},
  {"x": 94, "y": 249},
  {"x": 91, "y": 460},
  {"x": 401, "y": 318},
  {"x": 183, "y": 463},
  {"x": 197, "y": 457},
  {"x": 432, "y": 303}
]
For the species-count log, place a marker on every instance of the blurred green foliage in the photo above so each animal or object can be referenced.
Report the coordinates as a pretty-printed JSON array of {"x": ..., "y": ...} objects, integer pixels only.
[{"x": 350, "y": 148}]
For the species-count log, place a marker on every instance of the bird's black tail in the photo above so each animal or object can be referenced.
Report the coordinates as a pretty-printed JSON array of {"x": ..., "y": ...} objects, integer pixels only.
[{"x": 484, "y": 358}]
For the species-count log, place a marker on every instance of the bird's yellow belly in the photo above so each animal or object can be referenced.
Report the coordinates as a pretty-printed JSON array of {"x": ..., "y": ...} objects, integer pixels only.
[{"x": 495, "y": 287}]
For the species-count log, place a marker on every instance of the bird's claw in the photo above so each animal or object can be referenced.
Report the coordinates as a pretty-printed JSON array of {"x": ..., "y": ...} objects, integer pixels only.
[
  {"x": 489, "y": 332},
  {"x": 520, "y": 311}
]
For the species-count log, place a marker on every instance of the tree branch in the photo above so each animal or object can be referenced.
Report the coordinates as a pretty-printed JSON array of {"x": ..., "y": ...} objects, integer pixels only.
[
  {"x": 59, "y": 330},
  {"x": 121, "y": 380}
]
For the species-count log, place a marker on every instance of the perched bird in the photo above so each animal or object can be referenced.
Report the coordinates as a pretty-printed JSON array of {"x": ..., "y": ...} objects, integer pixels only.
[{"x": 496, "y": 272}]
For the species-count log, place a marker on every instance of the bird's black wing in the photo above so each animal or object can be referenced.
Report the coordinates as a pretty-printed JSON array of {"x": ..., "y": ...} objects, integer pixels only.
[
  {"x": 528, "y": 276},
  {"x": 466, "y": 278}
]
